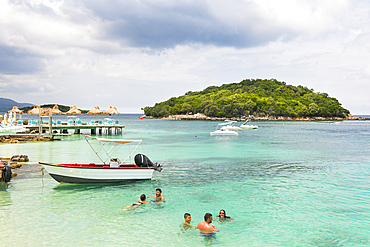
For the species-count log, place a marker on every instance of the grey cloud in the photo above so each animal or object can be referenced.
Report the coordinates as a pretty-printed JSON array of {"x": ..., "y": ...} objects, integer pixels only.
[
  {"x": 144, "y": 24},
  {"x": 15, "y": 61}
]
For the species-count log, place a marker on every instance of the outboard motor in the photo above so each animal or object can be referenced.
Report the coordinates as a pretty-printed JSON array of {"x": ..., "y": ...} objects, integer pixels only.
[
  {"x": 143, "y": 161},
  {"x": 6, "y": 172}
]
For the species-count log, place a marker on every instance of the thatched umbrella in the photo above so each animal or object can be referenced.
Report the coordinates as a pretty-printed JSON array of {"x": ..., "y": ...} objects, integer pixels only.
[
  {"x": 15, "y": 110},
  {"x": 56, "y": 110},
  {"x": 73, "y": 110},
  {"x": 112, "y": 110},
  {"x": 34, "y": 111},
  {"x": 95, "y": 111}
]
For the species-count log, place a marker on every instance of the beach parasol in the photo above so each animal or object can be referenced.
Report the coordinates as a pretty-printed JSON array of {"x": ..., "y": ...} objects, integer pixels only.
[
  {"x": 73, "y": 110},
  {"x": 34, "y": 111},
  {"x": 112, "y": 110},
  {"x": 95, "y": 110},
  {"x": 56, "y": 110},
  {"x": 15, "y": 110}
]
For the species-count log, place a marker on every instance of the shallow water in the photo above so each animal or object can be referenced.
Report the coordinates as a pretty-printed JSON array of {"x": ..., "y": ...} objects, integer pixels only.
[{"x": 285, "y": 184}]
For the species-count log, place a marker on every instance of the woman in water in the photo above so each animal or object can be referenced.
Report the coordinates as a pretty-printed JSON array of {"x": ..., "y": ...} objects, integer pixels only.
[{"x": 222, "y": 217}]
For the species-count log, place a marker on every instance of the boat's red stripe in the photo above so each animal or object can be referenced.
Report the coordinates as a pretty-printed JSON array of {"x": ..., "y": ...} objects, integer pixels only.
[{"x": 96, "y": 166}]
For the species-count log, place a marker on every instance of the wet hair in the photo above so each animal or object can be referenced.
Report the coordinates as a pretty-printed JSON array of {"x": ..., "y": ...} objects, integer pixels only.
[
  {"x": 219, "y": 215},
  {"x": 186, "y": 215},
  {"x": 159, "y": 190},
  {"x": 143, "y": 197},
  {"x": 207, "y": 216}
]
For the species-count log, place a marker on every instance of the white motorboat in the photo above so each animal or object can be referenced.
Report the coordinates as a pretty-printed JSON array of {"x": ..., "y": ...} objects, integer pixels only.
[
  {"x": 223, "y": 132},
  {"x": 11, "y": 129},
  {"x": 245, "y": 125},
  {"x": 7, "y": 125},
  {"x": 231, "y": 125},
  {"x": 111, "y": 170}
]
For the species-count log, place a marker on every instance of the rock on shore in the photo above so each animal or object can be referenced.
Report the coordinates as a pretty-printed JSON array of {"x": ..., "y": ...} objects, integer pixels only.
[
  {"x": 200, "y": 116},
  {"x": 17, "y": 139}
]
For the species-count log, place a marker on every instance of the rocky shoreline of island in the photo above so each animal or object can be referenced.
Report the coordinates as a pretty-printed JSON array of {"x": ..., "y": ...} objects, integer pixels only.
[{"x": 203, "y": 117}]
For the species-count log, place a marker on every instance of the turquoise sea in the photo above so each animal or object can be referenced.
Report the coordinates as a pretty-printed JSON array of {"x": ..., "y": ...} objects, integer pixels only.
[{"x": 285, "y": 184}]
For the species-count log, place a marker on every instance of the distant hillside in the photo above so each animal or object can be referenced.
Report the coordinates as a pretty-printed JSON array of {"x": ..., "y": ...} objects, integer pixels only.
[
  {"x": 7, "y": 104},
  {"x": 63, "y": 108},
  {"x": 252, "y": 97}
]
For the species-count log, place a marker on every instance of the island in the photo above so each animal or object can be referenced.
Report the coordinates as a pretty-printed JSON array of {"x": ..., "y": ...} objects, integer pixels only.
[{"x": 260, "y": 98}]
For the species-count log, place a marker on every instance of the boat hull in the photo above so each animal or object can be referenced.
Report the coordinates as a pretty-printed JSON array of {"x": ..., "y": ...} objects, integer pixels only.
[
  {"x": 224, "y": 133},
  {"x": 74, "y": 173},
  {"x": 249, "y": 126}
]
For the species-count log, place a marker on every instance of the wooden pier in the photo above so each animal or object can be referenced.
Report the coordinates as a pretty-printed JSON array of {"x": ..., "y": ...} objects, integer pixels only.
[{"x": 63, "y": 128}]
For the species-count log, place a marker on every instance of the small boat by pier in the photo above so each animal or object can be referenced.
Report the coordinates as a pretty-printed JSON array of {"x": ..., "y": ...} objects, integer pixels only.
[{"x": 111, "y": 169}]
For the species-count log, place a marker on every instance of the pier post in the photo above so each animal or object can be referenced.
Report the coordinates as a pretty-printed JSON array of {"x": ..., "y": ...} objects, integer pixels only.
[
  {"x": 40, "y": 126},
  {"x": 50, "y": 122}
]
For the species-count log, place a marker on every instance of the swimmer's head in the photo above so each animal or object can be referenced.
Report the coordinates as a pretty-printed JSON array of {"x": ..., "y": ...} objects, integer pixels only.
[
  {"x": 143, "y": 197},
  {"x": 222, "y": 213},
  {"x": 208, "y": 217},
  {"x": 187, "y": 217},
  {"x": 158, "y": 192}
]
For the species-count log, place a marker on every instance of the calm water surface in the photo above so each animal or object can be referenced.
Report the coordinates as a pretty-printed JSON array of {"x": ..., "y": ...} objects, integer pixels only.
[{"x": 285, "y": 184}]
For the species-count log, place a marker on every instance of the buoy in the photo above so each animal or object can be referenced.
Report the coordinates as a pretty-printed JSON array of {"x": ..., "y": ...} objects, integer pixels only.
[{"x": 195, "y": 136}]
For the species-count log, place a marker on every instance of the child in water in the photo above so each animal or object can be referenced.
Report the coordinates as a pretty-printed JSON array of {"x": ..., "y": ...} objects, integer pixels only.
[
  {"x": 133, "y": 206},
  {"x": 186, "y": 225}
]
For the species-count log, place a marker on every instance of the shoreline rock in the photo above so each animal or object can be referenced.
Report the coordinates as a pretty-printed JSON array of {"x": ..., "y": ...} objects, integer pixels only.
[
  {"x": 18, "y": 139},
  {"x": 200, "y": 116}
]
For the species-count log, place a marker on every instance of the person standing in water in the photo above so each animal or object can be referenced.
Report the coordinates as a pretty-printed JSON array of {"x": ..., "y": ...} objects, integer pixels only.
[
  {"x": 158, "y": 196},
  {"x": 205, "y": 227}
]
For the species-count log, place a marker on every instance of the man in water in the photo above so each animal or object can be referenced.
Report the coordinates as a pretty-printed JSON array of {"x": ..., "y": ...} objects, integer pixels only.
[
  {"x": 205, "y": 228},
  {"x": 158, "y": 196},
  {"x": 136, "y": 204},
  {"x": 186, "y": 225}
]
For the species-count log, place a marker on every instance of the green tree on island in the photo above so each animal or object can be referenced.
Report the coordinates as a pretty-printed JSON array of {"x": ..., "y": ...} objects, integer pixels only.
[{"x": 252, "y": 97}]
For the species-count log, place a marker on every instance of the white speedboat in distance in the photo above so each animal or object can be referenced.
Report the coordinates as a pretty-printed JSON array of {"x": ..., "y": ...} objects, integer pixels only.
[
  {"x": 223, "y": 132},
  {"x": 230, "y": 126},
  {"x": 245, "y": 125},
  {"x": 111, "y": 170}
]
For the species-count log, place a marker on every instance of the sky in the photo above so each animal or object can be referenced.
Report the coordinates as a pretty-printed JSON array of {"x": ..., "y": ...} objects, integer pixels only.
[{"x": 135, "y": 53}]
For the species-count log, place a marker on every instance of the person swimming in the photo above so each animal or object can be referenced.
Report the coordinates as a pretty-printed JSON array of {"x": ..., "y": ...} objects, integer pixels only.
[
  {"x": 222, "y": 216},
  {"x": 133, "y": 206}
]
